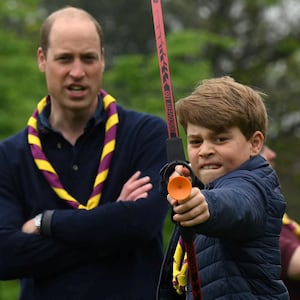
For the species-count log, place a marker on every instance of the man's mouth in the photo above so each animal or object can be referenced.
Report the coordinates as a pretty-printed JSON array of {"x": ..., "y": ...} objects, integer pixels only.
[{"x": 76, "y": 88}]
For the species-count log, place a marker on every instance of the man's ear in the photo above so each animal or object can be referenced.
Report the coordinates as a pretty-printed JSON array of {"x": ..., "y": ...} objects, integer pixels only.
[
  {"x": 102, "y": 59},
  {"x": 257, "y": 143},
  {"x": 41, "y": 59}
]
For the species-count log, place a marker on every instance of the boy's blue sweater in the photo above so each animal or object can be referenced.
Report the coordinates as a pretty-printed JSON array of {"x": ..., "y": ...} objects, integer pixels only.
[{"x": 237, "y": 249}]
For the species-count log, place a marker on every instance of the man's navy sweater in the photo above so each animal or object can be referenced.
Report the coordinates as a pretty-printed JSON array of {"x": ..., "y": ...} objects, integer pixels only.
[{"x": 111, "y": 252}]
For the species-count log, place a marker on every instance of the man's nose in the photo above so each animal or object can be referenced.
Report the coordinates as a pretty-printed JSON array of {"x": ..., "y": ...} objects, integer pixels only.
[{"x": 77, "y": 69}]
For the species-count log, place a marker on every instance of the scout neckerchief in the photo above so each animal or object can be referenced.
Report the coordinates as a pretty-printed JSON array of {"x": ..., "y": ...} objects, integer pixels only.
[
  {"x": 47, "y": 169},
  {"x": 292, "y": 224},
  {"x": 180, "y": 266}
]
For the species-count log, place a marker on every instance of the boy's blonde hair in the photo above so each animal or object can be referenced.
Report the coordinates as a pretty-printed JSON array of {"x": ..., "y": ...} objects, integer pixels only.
[{"x": 222, "y": 103}]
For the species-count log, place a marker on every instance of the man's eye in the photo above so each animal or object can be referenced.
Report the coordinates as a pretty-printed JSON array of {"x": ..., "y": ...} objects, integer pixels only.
[
  {"x": 89, "y": 59},
  {"x": 64, "y": 58}
]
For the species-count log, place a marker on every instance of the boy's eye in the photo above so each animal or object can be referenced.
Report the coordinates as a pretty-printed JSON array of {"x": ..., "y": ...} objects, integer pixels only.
[
  {"x": 195, "y": 142},
  {"x": 220, "y": 139}
]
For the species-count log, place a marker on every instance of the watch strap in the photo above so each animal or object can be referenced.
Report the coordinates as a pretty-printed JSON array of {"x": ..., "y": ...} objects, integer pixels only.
[{"x": 46, "y": 223}]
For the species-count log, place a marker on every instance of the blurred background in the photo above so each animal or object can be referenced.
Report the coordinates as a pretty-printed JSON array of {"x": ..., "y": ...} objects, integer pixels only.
[{"x": 255, "y": 41}]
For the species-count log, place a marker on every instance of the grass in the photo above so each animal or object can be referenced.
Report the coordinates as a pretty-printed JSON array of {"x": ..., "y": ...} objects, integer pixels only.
[{"x": 9, "y": 290}]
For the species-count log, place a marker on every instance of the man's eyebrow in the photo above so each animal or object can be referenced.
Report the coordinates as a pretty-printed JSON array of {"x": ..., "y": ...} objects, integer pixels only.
[{"x": 62, "y": 53}]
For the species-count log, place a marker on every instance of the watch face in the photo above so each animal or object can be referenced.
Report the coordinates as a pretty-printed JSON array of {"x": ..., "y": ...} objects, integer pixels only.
[{"x": 37, "y": 220}]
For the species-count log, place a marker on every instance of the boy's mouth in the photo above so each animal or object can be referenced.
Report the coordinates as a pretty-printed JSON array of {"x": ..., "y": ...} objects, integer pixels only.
[{"x": 210, "y": 167}]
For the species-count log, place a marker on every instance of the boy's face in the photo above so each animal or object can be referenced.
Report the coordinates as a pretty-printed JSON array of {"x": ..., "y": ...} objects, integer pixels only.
[{"x": 215, "y": 154}]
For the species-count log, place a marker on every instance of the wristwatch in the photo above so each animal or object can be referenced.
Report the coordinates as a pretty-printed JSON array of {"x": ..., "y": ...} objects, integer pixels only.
[{"x": 37, "y": 222}]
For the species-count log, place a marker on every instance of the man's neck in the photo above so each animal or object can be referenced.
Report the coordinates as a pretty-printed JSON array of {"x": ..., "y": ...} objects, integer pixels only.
[{"x": 70, "y": 125}]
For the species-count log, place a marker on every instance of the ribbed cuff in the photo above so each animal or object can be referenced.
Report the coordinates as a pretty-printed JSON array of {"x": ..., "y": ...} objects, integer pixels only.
[{"x": 46, "y": 223}]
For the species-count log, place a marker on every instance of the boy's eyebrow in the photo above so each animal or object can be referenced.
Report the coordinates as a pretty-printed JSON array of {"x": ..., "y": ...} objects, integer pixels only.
[
  {"x": 191, "y": 136},
  {"x": 224, "y": 131},
  {"x": 211, "y": 133}
]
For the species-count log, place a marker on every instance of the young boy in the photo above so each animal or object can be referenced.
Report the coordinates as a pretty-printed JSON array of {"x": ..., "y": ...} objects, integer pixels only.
[{"x": 237, "y": 215}]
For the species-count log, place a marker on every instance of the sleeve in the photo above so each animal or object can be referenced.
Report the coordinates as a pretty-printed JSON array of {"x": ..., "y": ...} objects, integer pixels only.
[
  {"x": 27, "y": 255},
  {"x": 237, "y": 209},
  {"x": 115, "y": 225},
  {"x": 35, "y": 256},
  {"x": 288, "y": 244}
]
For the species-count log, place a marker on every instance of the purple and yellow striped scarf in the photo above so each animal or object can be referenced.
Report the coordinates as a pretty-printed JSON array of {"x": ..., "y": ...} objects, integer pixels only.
[
  {"x": 292, "y": 224},
  {"x": 47, "y": 169},
  {"x": 180, "y": 267}
]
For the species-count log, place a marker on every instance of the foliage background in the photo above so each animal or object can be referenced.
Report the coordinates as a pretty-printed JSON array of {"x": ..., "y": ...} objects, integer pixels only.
[{"x": 255, "y": 41}]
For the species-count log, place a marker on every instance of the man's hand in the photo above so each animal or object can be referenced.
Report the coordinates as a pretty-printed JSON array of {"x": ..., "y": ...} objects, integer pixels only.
[
  {"x": 135, "y": 188},
  {"x": 29, "y": 227}
]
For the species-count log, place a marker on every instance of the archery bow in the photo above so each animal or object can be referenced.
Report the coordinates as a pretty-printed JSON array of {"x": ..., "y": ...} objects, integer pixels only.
[{"x": 175, "y": 152}]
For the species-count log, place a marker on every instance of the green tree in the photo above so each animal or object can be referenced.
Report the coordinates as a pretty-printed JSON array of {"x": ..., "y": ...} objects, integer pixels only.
[
  {"x": 135, "y": 79},
  {"x": 21, "y": 84},
  {"x": 265, "y": 55},
  {"x": 20, "y": 81}
]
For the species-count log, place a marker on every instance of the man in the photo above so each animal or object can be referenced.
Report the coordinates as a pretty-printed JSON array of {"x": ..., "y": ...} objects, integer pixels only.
[{"x": 81, "y": 216}]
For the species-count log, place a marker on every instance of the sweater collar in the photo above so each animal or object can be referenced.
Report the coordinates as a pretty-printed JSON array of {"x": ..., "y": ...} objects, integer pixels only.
[
  {"x": 44, "y": 125},
  {"x": 249, "y": 165}
]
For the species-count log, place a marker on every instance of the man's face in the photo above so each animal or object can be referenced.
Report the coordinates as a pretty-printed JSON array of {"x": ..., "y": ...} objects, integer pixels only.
[{"x": 73, "y": 64}]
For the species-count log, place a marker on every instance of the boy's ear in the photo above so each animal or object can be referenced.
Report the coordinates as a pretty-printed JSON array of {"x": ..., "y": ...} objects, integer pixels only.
[{"x": 257, "y": 142}]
